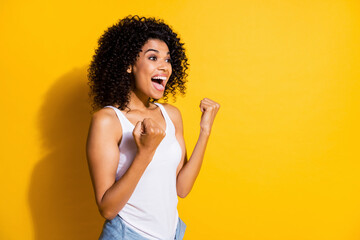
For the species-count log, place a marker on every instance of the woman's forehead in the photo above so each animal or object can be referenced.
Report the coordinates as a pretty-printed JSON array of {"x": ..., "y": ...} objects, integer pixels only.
[{"x": 157, "y": 45}]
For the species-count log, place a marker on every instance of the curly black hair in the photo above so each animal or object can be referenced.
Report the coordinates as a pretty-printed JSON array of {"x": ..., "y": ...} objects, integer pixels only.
[{"x": 119, "y": 48}]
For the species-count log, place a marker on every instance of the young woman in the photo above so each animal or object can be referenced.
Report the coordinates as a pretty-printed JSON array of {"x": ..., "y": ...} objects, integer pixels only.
[{"x": 135, "y": 149}]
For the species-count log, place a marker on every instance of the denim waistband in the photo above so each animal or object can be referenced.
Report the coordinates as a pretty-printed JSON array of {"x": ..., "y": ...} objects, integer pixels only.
[{"x": 117, "y": 229}]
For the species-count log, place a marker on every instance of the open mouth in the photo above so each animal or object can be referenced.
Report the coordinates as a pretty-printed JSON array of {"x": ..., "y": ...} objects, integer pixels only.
[{"x": 159, "y": 83}]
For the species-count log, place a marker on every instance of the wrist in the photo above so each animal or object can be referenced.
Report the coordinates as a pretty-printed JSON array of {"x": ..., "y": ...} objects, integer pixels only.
[
  {"x": 145, "y": 153},
  {"x": 205, "y": 132}
]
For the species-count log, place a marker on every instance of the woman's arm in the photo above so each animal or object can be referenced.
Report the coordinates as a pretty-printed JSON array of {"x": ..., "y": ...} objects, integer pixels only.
[
  {"x": 103, "y": 156},
  {"x": 188, "y": 170}
]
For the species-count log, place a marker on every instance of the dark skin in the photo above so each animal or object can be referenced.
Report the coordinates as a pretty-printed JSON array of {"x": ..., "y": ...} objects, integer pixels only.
[{"x": 105, "y": 134}]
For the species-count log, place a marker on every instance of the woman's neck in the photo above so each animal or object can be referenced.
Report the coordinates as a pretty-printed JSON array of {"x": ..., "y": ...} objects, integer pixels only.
[{"x": 139, "y": 102}]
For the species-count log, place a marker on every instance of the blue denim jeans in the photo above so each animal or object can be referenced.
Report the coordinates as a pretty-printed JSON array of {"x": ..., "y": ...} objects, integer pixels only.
[{"x": 116, "y": 229}]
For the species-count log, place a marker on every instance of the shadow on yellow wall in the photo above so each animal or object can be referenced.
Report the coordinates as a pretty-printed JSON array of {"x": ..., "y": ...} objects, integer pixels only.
[{"x": 61, "y": 198}]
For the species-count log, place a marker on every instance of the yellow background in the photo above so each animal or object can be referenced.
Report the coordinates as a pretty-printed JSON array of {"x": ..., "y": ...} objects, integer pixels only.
[{"x": 282, "y": 162}]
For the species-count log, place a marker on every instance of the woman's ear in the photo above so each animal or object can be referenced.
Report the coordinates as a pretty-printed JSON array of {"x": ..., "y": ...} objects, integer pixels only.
[{"x": 129, "y": 70}]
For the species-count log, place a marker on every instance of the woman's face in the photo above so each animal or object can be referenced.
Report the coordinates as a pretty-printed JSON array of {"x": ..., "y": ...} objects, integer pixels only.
[{"x": 152, "y": 69}]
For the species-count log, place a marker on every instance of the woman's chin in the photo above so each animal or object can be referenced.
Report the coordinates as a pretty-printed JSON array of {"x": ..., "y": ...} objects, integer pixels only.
[{"x": 157, "y": 95}]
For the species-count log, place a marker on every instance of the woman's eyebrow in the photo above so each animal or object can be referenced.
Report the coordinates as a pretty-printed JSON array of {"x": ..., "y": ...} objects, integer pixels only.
[{"x": 150, "y": 49}]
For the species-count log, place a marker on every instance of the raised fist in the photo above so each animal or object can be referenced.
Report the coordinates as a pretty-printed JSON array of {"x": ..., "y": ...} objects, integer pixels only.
[
  {"x": 209, "y": 109},
  {"x": 148, "y": 135}
]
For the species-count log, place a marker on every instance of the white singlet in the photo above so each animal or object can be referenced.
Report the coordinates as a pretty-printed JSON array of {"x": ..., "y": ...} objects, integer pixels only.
[{"x": 152, "y": 208}]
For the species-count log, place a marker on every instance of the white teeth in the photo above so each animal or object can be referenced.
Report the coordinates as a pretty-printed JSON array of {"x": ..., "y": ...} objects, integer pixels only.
[{"x": 158, "y": 77}]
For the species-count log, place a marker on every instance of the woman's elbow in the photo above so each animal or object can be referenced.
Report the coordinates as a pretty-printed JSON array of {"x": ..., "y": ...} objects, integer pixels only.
[
  {"x": 182, "y": 193},
  {"x": 109, "y": 215}
]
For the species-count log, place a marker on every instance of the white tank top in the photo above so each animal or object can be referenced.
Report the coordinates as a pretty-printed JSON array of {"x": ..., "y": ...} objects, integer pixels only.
[{"x": 152, "y": 208}]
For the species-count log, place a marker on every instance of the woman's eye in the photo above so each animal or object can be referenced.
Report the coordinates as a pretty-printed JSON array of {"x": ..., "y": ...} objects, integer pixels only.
[{"x": 154, "y": 58}]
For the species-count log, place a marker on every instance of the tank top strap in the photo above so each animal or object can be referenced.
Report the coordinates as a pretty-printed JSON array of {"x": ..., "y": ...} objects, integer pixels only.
[
  {"x": 169, "y": 123},
  {"x": 125, "y": 124}
]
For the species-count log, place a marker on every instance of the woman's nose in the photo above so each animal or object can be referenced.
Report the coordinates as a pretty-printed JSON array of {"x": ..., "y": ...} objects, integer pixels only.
[{"x": 163, "y": 65}]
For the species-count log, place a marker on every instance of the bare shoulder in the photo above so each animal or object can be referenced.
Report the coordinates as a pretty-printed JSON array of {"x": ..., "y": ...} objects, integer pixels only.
[
  {"x": 104, "y": 116},
  {"x": 172, "y": 110},
  {"x": 106, "y": 120},
  {"x": 174, "y": 114}
]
